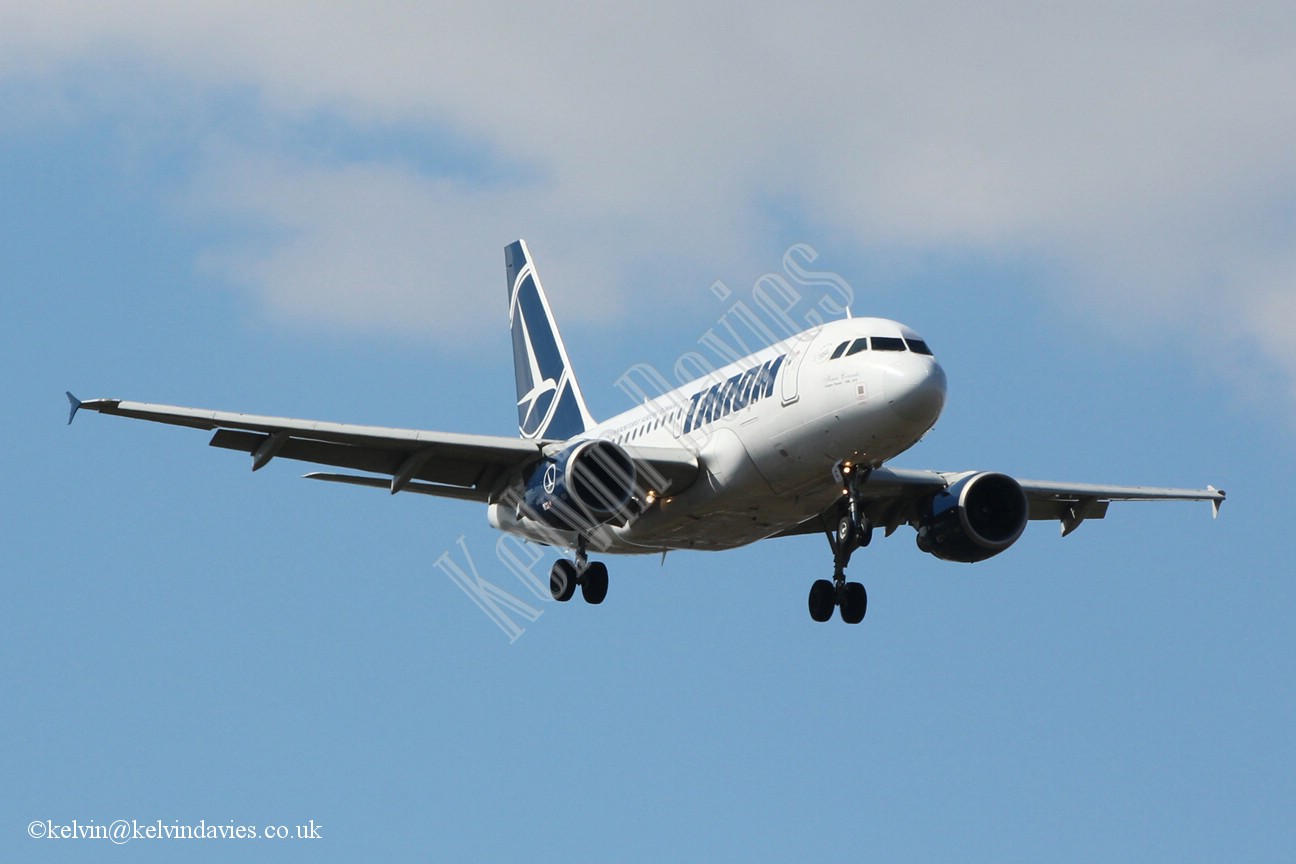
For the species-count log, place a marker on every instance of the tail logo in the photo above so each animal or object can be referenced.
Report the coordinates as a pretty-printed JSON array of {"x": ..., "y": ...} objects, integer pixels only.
[{"x": 549, "y": 401}]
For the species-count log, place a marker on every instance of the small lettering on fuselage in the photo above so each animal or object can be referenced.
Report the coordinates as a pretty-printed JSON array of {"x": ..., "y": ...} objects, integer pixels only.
[{"x": 733, "y": 394}]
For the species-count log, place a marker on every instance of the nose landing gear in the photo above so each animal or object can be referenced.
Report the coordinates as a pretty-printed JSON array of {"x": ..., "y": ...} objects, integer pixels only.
[{"x": 852, "y": 532}]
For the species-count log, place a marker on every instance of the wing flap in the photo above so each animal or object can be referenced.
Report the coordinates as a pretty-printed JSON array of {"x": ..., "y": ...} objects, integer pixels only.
[
  {"x": 445, "y": 463},
  {"x": 1073, "y": 503},
  {"x": 361, "y": 458},
  {"x": 433, "y": 465},
  {"x": 463, "y": 494}
]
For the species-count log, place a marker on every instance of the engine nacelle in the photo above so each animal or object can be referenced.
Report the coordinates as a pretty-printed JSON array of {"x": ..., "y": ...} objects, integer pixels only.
[
  {"x": 585, "y": 485},
  {"x": 974, "y": 518}
]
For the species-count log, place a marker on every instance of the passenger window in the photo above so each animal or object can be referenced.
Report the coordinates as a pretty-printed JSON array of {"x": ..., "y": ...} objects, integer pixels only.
[
  {"x": 857, "y": 346},
  {"x": 888, "y": 343},
  {"x": 841, "y": 349},
  {"x": 918, "y": 346}
]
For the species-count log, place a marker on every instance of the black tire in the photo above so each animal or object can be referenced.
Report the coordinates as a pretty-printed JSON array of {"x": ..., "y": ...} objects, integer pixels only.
[
  {"x": 865, "y": 537},
  {"x": 854, "y": 603},
  {"x": 822, "y": 600},
  {"x": 562, "y": 580},
  {"x": 594, "y": 582}
]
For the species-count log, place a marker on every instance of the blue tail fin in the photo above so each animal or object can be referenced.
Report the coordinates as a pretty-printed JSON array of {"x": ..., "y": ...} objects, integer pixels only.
[{"x": 550, "y": 404}]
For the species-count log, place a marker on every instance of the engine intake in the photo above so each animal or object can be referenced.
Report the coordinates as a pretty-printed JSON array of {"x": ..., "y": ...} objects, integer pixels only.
[
  {"x": 585, "y": 485},
  {"x": 974, "y": 518}
]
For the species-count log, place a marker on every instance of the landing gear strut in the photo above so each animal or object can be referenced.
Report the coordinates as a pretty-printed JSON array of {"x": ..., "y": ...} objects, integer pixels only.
[
  {"x": 852, "y": 532},
  {"x": 591, "y": 576}
]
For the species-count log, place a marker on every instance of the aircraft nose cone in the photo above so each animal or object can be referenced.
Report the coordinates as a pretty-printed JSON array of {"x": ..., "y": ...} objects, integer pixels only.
[{"x": 915, "y": 389}]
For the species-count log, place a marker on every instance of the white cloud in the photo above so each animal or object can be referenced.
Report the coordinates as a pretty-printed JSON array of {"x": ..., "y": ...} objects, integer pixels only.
[
  {"x": 365, "y": 246},
  {"x": 1143, "y": 148}
]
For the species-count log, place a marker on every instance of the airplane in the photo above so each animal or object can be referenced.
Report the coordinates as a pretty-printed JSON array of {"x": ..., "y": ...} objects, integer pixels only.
[{"x": 792, "y": 439}]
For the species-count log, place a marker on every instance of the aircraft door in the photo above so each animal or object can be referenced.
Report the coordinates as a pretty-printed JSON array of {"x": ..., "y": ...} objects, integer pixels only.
[{"x": 790, "y": 389}]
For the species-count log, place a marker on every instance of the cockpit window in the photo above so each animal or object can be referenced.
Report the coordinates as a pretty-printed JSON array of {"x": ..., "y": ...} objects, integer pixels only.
[
  {"x": 881, "y": 343},
  {"x": 888, "y": 343}
]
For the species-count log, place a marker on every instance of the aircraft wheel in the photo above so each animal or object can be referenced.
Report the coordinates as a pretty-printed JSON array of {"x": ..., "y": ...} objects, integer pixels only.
[
  {"x": 594, "y": 582},
  {"x": 846, "y": 533},
  {"x": 851, "y": 536},
  {"x": 822, "y": 600},
  {"x": 854, "y": 603},
  {"x": 562, "y": 580}
]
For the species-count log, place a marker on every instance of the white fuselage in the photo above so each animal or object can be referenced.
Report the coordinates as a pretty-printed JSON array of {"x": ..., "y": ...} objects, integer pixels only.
[{"x": 767, "y": 431}]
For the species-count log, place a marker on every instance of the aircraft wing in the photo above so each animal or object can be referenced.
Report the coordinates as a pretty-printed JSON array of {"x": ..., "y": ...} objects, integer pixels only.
[
  {"x": 431, "y": 463},
  {"x": 446, "y": 464},
  {"x": 892, "y": 498}
]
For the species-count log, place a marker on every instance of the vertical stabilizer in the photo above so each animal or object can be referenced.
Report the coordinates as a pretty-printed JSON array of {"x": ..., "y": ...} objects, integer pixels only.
[{"x": 550, "y": 404}]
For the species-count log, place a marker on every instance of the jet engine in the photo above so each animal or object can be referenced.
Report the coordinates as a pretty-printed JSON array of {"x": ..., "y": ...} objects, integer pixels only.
[
  {"x": 974, "y": 518},
  {"x": 587, "y": 484}
]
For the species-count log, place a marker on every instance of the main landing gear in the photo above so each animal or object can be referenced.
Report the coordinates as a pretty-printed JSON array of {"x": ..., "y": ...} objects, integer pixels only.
[
  {"x": 591, "y": 576},
  {"x": 852, "y": 532}
]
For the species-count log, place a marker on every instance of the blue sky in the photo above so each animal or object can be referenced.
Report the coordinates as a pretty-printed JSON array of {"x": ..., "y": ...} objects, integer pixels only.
[{"x": 301, "y": 210}]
